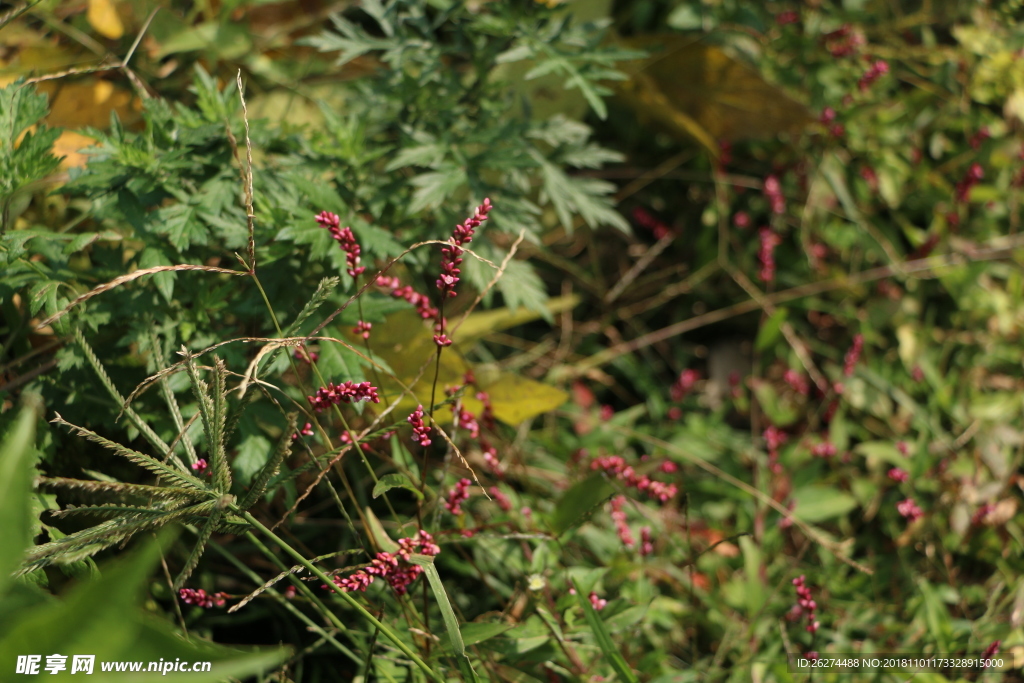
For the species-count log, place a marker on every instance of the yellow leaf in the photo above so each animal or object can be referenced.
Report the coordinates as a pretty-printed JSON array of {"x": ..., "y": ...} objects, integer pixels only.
[
  {"x": 699, "y": 91},
  {"x": 406, "y": 343},
  {"x": 68, "y": 145},
  {"x": 102, "y": 16},
  {"x": 88, "y": 103}
]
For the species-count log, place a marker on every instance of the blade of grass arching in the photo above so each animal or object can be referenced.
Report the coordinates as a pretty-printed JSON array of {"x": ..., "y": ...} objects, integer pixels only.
[
  {"x": 140, "y": 424},
  {"x": 204, "y": 537},
  {"x": 180, "y": 477},
  {"x": 218, "y": 456},
  {"x": 172, "y": 403},
  {"x": 451, "y": 624},
  {"x": 604, "y": 639}
]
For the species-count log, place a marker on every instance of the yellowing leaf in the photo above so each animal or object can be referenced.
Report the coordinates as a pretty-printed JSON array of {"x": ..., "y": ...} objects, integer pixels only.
[
  {"x": 698, "y": 91},
  {"x": 406, "y": 343},
  {"x": 102, "y": 16},
  {"x": 89, "y": 103},
  {"x": 68, "y": 145}
]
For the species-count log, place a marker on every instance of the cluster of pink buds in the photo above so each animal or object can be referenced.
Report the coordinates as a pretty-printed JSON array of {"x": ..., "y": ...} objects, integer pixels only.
[
  {"x": 598, "y": 603},
  {"x": 343, "y": 393},
  {"x": 981, "y": 513},
  {"x": 787, "y": 17},
  {"x": 345, "y": 238},
  {"x": 797, "y": 381},
  {"x": 491, "y": 458},
  {"x": 307, "y": 430},
  {"x": 870, "y": 177},
  {"x": 844, "y": 41},
  {"x": 392, "y": 567},
  {"x": 853, "y": 355},
  {"x": 684, "y": 385},
  {"x": 457, "y": 496},
  {"x": 420, "y": 301},
  {"x": 616, "y": 466},
  {"x": 646, "y": 542},
  {"x": 200, "y": 598},
  {"x": 347, "y": 438},
  {"x": 766, "y": 254},
  {"x": 487, "y": 414},
  {"x": 420, "y": 431},
  {"x": 805, "y": 605},
  {"x": 980, "y": 137},
  {"x": 450, "y": 259},
  {"x": 500, "y": 498},
  {"x": 307, "y": 356},
  {"x": 646, "y": 220},
  {"x": 828, "y": 118},
  {"x": 877, "y": 69},
  {"x": 825, "y": 449},
  {"x": 899, "y": 475},
  {"x": 741, "y": 219},
  {"x": 909, "y": 509},
  {"x": 466, "y": 420},
  {"x": 362, "y": 329},
  {"x": 773, "y": 438},
  {"x": 202, "y": 467},
  {"x": 903, "y": 448},
  {"x": 975, "y": 174},
  {"x": 773, "y": 191},
  {"x": 619, "y": 517}
]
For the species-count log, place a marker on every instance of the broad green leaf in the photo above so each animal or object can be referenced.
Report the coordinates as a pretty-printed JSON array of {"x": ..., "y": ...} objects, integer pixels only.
[
  {"x": 16, "y": 452},
  {"x": 579, "y": 501},
  {"x": 755, "y": 588},
  {"x": 771, "y": 330},
  {"x": 378, "y": 533},
  {"x": 780, "y": 411},
  {"x": 819, "y": 503},
  {"x": 451, "y": 624},
  {"x": 395, "y": 480}
]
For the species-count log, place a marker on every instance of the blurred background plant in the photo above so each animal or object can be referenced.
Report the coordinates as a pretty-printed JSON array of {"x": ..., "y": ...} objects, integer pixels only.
[{"x": 798, "y": 357}]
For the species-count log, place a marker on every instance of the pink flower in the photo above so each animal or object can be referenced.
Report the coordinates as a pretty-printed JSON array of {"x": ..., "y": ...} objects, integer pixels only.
[
  {"x": 466, "y": 420},
  {"x": 457, "y": 496},
  {"x": 306, "y": 356},
  {"x": 974, "y": 176},
  {"x": 684, "y": 385},
  {"x": 741, "y": 219},
  {"x": 343, "y": 393},
  {"x": 450, "y": 259},
  {"x": 307, "y": 430},
  {"x": 668, "y": 467},
  {"x": 200, "y": 598},
  {"x": 362, "y": 329},
  {"x": 442, "y": 340},
  {"x": 796, "y": 381},
  {"x": 909, "y": 509},
  {"x": 825, "y": 449},
  {"x": 392, "y": 567},
  {"x": 596, "y": 602},
  {"x": 899, "y": 475},
  {"x": 773, "y": 192},
  {"x": 853, "y": 355},
  {"x": 766, "y": 254},
  {"x": 646, "y": 542},
  {"x": 500, "y": 498},
  {"x": 202, "y": 467},
  {"x": 345, "y": 238},
  {"x": 619, "y": 517},
  {"x": 805, "y": 604},
  {"x": 420, "y": 431},
  {"x": 614, "y": 465},
  {"x": 874, "y": 72},
  {"x": 989, "y": 652}
]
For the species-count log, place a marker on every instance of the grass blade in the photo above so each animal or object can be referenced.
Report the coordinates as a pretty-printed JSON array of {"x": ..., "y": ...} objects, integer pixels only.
[{"x": 604, "y": 639}]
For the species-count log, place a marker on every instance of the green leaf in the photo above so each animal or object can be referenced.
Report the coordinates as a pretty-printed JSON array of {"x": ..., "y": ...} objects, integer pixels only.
[
  {"x": 604, "y": 639},
  {"x": 381, "y": 538},
  {"x": 16, "y": 451},
  {"x": 818, "y": 503},
  {"x": 578, "y": 502},
  {"x": 395, "y": 480},
  {"x": 771, "y": 330},
  {"x": 451, "y": 624}
]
